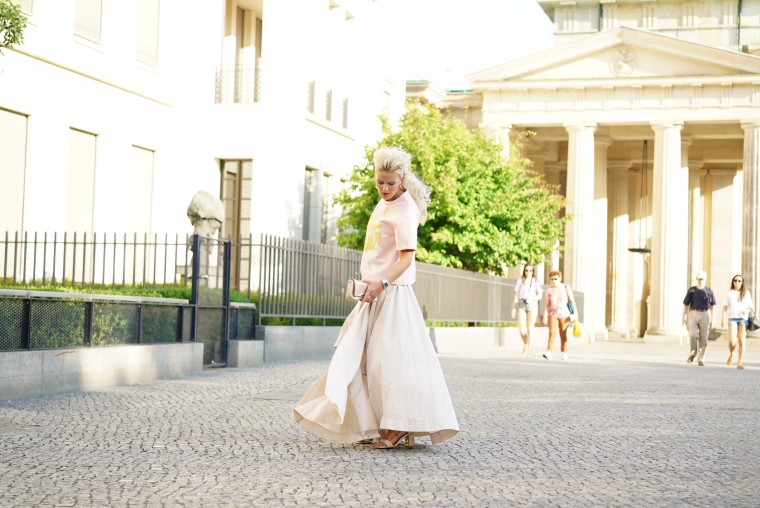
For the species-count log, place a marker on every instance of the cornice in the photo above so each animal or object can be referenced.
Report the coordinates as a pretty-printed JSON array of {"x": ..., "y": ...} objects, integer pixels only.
[
  {"x": 682, "y": 81},
  {"x": 605, "y": 39}
]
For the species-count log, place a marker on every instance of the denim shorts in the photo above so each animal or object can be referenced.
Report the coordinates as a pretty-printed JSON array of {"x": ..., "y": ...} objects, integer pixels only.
[
  {"x": 738, "y": 321},
  {"x": 527, "y": 306}
]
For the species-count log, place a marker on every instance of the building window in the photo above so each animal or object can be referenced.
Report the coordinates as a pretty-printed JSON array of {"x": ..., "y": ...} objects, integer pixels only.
[
  {"x": 147, "y": 32},
  {"x": 310, "y": 97},
  {"x": 327, "y": 229},
  {"x": 309, "y": 197},
  {"x": 81, "y": 181},
  {"x": 316, "y": 208},
  {"x": 12, "y": 170},
  {"x": 238, "y": 77},
  {"x": 87, "y": 19},
  {"x": 141, "y": 190},
  {"x": 344, "y": 121},
  {"x": 235, "y": 194},
  {"x": 328, "y": 105}
]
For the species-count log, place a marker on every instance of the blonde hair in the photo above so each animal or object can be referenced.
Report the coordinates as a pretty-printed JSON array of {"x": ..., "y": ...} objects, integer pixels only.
[{"x": 397, "y": 161}]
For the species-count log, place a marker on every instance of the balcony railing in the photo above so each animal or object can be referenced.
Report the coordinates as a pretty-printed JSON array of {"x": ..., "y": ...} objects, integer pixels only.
[{"x": 238, "y": 84}]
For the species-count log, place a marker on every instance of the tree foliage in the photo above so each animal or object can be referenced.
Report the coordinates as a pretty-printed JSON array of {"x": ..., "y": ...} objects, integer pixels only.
[
  {"x": 487, "y": 213},
  {"x": 12, "y": 24}
]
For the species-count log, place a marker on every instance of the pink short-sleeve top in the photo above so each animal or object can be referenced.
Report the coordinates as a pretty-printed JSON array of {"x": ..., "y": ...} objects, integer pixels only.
[
  {"x": 556, "y": 302},
  {"x": 392, "y": 227}
]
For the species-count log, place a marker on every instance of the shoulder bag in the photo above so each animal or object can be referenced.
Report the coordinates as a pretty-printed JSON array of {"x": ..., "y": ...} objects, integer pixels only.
[
  {"x": 752, "y": 323},
  {"x": 569, "y": 303}
]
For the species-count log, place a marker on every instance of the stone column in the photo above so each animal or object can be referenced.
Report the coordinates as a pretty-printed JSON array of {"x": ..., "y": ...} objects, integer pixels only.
[
  {"x": 697, "y": 227},
  {"x": 552, "y": 171},
  {"x": 619, "y": 301},
  {"x": 538, "y": 166},
  {"x": 500, "y": 134},
  {"x": 580, "y": 205},
  {"x": 751, "y": 231},
  {"x": 596, "y": 300},
  {"x": 668, "y": 281}
]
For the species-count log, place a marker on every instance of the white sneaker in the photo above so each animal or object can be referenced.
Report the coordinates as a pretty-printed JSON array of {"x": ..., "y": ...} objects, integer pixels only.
[
  {"x": 564, "y": 356},
  {"x": 548, "y": 355}
]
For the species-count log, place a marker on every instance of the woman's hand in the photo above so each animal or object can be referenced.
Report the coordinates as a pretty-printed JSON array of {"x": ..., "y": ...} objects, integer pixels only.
[
  {"x": 514, "y": 312},
  {"x": 374, "y": 288}
]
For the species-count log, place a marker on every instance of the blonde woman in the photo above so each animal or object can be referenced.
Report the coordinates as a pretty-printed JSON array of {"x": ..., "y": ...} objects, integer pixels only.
[
  {"x": 525, "y": 306},
  {"x": 737, "y": 307},
  {"x": 384, "y": 384}
]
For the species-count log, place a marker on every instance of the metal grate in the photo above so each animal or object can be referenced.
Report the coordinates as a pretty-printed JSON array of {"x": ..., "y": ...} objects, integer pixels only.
[
  {"x": 114, "y": 323},
  {"x": 242, "y": 323},
  {"x": 159, "y": 322},
  {"x": 210, "y": 332},
  {"x": 31, "y": 321},
  {"x": 57, "y": 324},
  {"x": 11, "y": 324}
]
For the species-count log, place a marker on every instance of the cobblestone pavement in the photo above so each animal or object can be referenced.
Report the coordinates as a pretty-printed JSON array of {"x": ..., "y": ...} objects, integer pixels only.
[{"x": 616, "y": 425}]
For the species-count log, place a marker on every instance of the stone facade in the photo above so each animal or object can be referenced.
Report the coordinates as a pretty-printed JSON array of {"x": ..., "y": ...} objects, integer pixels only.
[{"x": 649, "y": 123}]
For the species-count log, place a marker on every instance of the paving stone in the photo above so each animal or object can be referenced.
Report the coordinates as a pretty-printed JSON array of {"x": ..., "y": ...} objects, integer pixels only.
[{"x": 617, "y": 425}]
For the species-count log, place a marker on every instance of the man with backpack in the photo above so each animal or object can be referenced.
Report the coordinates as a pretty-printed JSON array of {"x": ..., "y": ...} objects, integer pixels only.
[{"x": 698, "y": 317}]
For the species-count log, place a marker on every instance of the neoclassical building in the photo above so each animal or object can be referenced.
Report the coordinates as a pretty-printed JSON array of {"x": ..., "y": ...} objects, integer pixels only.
[{"x": 647, "y": 115}]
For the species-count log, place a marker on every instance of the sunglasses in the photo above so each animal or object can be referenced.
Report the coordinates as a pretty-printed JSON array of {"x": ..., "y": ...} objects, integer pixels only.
[
  {"x": 554, "y": 278},
  {"x": 737, "y": 280}
]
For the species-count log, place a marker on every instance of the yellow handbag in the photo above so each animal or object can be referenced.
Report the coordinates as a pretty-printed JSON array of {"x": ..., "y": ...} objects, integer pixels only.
[{"x": 577, "y": 330}]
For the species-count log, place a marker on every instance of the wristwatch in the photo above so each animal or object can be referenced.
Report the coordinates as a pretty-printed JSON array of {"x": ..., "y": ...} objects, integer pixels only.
[{"x": 385, "y": 284}]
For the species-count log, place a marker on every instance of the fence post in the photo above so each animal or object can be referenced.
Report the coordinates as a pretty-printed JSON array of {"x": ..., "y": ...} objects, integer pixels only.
[
  {"x": 139, "y": 323},
  {"x": 226, "y": 298},
  {"x": 88, "y": 323},
  {"x": 180, "y": 322},
  {"x": 195, "y": 275},
  {"x": 26, "y": 323}
]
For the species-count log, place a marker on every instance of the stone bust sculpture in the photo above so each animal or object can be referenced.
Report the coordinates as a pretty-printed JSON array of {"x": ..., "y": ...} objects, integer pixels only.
[{"x": 206, "y": 213}]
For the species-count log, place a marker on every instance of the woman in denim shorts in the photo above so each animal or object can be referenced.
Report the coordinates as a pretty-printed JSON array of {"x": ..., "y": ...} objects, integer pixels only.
[
  {"x": 525, "y": 306},
  {"x": 738, "y": 304}
]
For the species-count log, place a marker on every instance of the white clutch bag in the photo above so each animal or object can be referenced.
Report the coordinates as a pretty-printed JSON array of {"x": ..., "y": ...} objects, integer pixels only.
[{"x": 355, "y": 289}]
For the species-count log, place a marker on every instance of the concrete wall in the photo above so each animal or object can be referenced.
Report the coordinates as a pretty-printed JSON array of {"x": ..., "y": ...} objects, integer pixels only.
[
  {"x": 294, "y": 343},
  {"x": 46, "y": 372},
  {"x": 245, "y": 353}
]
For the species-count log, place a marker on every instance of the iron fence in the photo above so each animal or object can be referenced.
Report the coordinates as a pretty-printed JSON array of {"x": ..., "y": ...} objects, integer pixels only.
[
  {"x": 300, "y": 279},
  {"x": 81, "y": 260},
  {"x": 31, "y": 320},
  {"x": 43, "y": 320},
  {"x": 295, "y": 279}
]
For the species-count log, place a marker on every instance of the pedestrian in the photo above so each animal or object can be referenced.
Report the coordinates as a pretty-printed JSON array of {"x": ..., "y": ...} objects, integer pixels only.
[
  {"x": 525, "y": 305},
  {"x": 698, "y": 317},
  {"x": 557, "y": 313},
  {"x": 384, "y": 384},
  {"x": 738, "y": 305}
]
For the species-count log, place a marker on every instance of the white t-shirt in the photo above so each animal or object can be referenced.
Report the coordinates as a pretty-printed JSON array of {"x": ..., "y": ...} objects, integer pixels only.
[
  {"x": 738, "y": 308},
  {"x": 391, "y": 228},
  {"x": 530, "y": 289}
]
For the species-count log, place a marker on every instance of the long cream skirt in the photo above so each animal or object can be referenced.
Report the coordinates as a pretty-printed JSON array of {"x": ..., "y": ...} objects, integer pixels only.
[{"x": 384, "y": 375}]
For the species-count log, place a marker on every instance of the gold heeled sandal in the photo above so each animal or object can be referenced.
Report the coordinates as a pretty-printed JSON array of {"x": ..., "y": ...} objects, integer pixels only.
[{"x": 404, "y": 438}]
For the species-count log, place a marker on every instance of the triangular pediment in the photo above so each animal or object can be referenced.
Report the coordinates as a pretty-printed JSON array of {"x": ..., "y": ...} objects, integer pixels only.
[{"x": 621, "y": 53}]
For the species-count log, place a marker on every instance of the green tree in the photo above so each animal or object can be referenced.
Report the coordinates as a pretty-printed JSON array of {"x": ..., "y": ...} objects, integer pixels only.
[
  {"x": 487, "y": 213},
  {"x": 12, "y": 24}
]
